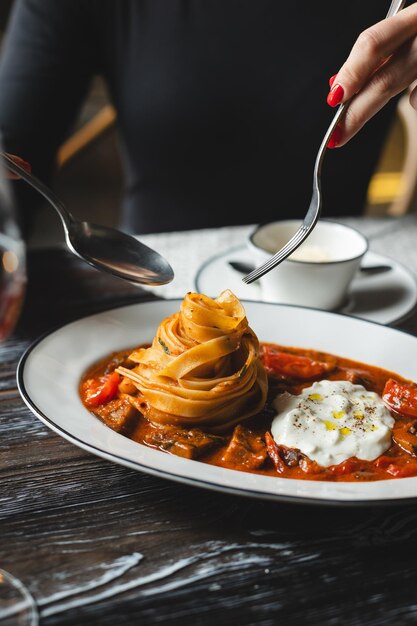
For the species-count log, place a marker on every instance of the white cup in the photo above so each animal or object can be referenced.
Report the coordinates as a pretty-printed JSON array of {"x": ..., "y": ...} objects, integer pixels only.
[{"x": 319, "y": 272}]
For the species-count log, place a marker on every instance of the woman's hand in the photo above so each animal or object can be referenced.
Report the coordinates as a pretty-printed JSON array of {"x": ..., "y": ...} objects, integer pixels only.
[
  {"x": 381, "y": 64},
  {"x": 20, "y": 162}
]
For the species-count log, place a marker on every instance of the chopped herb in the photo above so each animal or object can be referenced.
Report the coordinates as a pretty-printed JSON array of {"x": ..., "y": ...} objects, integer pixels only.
[{"x": 164, "y": 345}]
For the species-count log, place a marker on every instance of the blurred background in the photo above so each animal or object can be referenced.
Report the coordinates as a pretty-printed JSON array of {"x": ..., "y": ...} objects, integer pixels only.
[{"x": 90, "y": 178}]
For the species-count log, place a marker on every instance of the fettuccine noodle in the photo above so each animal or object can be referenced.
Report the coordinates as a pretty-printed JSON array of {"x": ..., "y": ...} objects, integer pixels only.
[{"x": 202, "y": 369}]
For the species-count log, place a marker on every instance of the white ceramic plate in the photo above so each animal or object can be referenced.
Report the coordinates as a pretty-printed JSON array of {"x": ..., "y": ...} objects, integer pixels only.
[
  {"x": 385, "y": 298},
  {"x": 50, "y": 370}
]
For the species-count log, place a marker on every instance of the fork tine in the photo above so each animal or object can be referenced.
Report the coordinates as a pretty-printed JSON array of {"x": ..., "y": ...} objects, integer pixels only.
[{"x": 277, "y": 258}]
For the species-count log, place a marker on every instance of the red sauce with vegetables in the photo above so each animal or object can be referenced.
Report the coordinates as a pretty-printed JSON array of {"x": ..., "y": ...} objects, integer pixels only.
[{"x": 250, "y": 446}]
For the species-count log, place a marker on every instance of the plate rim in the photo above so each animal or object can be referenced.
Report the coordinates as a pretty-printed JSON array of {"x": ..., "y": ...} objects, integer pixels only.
[
  {"x": 397, "y": 320},
  {"x": 175, "y": 477}
]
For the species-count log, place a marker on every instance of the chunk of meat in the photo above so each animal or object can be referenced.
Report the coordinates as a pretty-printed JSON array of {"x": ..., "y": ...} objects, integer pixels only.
[
  {"x": 356, "y": 377},
  {"x": 139, "y": 403},
  {"x": 190, "y": 444},
  {"x": 126, "y": 386},
  {"x": 119, "y": 414},
  {"x": 118, "y": 360},
  {"x": 245, "y": 450},
  {"x": 308, "y": 466},
  {"x": 281, "y": 456},
  {"x": 284, "y": 458}
]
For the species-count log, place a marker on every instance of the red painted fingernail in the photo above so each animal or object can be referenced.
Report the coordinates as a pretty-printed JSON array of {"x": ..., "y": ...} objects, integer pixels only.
[
  {"x": 331, "y": 80},
  {"x": 335, "y": 96},
  {"x": 335, "y": 138},
  {"x": 19, "y": 161},
  {"x": 26, "y": 166}
]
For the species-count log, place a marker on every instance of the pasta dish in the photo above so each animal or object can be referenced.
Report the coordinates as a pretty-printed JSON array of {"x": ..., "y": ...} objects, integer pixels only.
[
  {"x": 202, "y": 368},
  {"x": 206, "y": 389}
]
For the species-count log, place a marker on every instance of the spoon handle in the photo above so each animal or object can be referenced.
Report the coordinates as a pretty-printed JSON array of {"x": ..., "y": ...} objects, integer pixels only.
[{"x": 40, "y": 187}]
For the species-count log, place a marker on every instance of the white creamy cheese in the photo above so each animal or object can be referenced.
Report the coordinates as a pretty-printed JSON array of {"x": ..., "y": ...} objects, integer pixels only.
[{"x": 332, "y": 421}]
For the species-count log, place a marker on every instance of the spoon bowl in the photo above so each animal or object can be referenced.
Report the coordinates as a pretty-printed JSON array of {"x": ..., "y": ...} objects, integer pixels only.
[
  {"x": 119, "y": 254},
  {"x": 104, "y": 248}
]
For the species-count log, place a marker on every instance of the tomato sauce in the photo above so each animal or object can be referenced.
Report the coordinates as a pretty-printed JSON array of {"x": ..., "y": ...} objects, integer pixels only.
[{"x": 250, "y": 447}]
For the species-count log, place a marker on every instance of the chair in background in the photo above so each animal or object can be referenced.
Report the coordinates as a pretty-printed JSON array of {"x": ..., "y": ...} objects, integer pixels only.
[
  {"x": 90, "y": 156},
  {"x": 92, "y": 130},
  {"x": 393, "y": 188}
]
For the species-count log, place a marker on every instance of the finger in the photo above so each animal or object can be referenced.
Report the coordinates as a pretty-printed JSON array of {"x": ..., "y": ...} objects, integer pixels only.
[
  {"x": 390, "y": 80},
  {"x": 371, "y": 50},
  {"x": 413, "y": 98},
  {"x": 18, "y": 161}
]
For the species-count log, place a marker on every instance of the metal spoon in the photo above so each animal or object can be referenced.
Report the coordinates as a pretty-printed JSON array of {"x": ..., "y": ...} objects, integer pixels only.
[{"x": 104, "y": 248}]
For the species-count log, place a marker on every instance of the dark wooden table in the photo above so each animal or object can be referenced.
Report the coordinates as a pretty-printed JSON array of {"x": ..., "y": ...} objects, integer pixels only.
[{"x": 97, "y": 543}]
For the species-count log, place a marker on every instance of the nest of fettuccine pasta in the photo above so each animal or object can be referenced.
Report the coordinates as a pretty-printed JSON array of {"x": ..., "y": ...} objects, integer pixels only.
[{"x": 203, "y": 368}]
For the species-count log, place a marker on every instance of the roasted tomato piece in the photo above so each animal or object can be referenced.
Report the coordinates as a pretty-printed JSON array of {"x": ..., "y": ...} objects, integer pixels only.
[
  {"x": 293, "y": 365},
  {"x": 401, "y": 397},
  {"x": 401, "y": 470},
  {"x": 273, "y": 452},
  {"x": 383, "y": 461},
  {"x": 101, "y": 390},
  {"x": 346, "y": 467},
  {"x": 405, "y": 435}
]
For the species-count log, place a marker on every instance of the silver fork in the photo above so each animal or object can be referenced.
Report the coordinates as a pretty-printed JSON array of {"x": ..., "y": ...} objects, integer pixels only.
[{"x": 313, "y": 213}]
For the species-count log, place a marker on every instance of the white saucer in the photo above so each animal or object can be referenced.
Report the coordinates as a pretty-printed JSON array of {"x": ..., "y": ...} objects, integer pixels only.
[{"x": 386, "y": 298}]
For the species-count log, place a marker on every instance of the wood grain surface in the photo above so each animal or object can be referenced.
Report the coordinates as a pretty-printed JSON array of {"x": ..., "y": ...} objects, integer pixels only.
[{"x": 97, "y": 543}]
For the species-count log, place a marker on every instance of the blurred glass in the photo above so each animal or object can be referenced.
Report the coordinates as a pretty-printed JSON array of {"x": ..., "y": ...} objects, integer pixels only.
[
  {"x": 17, "y": 606},
  {"x": 12, "y": 261}
]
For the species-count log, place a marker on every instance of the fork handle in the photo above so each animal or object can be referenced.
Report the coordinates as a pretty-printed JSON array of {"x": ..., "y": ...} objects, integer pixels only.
[{"x": 396, "y": 5}]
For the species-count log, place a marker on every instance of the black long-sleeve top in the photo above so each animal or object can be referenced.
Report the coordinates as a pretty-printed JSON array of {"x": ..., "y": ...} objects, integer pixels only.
[{"x": 221, "y": 103}]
